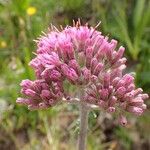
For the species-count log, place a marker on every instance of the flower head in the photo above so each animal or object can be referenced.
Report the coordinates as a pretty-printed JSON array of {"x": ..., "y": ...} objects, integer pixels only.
[
  {"x": 3, "y": 44},
  {"x": 31, "y": 10},
  {"x": 83, "y": 57},
  {"x": 40, "y": 94}
]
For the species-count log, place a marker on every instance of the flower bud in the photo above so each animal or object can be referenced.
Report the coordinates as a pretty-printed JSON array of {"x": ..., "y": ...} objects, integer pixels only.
[
  {"x": 26, "y": 83},
  {"x": 70, "y": 51},
  {"x": 144, "y": 96},
  {"x": 89, "y": 52},
  {"x": 29, "y": 92},
  {"x": 122, "y": 120},
  {"x": 119, "y": 54},
  {"x": 135, "y": 110},
  {"x": 136, "y": 101},
  {"x": 138, "y": 91},
  {"x": 104, "y": 93},
  {"x": 111, "y": 109},
  {"x": 112, "y": 101},
  {"x": 23, "y": 101},
  {"x": 120, "y": 92},
  {"x": 106, "y": 80},
  {"x": 98, "y": 68},
  {"x": 86, "y": 75},
  {"x": 74, "y": 64},
  {"x": 115, "y": 81},
  {"x": 43, "y": 106},
  {"x": 130, "y": 87},
  {"x": 94, "y": 63},
  {"x": 102, "y": 104},
  {"x": 45, "y": 94},
  {"x": 55, "y": 75}
]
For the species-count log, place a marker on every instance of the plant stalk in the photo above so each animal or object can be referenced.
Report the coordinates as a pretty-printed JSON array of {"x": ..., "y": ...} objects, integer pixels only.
[{"x": 82, "y": 141}]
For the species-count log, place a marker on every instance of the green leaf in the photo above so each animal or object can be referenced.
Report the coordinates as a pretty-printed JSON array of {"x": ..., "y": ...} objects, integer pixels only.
[{"x": 138, "y": 12}]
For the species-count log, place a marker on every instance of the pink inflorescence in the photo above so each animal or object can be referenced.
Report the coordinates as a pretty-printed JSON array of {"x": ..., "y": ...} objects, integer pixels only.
[{"x": 83, "y": 57}]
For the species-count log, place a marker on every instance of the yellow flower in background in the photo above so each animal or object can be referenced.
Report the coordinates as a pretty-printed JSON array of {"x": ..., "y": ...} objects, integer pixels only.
[
  {"x": 31, "y": 11},
  {"x": 3, "y": 44}
]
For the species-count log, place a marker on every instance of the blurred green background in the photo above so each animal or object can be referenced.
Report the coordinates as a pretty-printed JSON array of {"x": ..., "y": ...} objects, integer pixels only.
[{"x": 21, "y": 21}]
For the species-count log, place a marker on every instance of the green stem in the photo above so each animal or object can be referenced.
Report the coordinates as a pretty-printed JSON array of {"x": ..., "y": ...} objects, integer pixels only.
[{"x": 83, "y": 127}]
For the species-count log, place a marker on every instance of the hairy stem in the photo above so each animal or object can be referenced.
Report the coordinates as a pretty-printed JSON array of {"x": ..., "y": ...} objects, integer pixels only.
[{"x": 83, "y": 127}]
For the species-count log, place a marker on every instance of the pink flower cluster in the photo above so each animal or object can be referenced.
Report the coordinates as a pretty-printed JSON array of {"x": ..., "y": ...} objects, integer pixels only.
[
  {"x": 39, "y": 95},
  {"x": 82, "y": 56}
]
